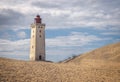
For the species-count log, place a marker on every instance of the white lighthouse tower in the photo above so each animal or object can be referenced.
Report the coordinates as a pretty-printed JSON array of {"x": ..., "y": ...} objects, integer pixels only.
[{"x": 37, "y": 47}]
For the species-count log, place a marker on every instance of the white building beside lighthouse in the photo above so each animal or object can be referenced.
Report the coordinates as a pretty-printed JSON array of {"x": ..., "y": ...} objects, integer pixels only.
[{"x": 37, "y": 43}]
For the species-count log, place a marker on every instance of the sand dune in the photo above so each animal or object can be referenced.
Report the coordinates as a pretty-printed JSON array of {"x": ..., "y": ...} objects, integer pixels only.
[
  {"x": 100, "y": 65},
  {"x": 106, "y": 53}
]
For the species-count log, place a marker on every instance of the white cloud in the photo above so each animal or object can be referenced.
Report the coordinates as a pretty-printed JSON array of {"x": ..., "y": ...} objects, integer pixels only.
[
  {"x": 21, "y": 34},
  {"x": 6, "y": 35},
  {"x": 74, "y": 39},
  {"x": 66, "y": 14},
  {"x": 111, "y": 33},
  {"x": 8, "y": 47}
]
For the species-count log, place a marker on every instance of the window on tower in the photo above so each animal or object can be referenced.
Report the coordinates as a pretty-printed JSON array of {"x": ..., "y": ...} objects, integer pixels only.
[
  {"x": 39, "y": 30},
  {"x": 40, "y": 36}
]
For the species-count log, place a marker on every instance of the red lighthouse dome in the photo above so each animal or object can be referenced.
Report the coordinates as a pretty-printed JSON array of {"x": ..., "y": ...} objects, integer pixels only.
[{"x": 38, "y": 19}]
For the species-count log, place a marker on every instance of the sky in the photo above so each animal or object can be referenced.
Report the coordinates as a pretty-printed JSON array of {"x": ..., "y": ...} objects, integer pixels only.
[{"x": 72, "y": 27}]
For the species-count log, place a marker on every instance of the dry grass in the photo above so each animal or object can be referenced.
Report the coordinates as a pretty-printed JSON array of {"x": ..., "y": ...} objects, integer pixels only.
[{"x": 85, "y": 70}]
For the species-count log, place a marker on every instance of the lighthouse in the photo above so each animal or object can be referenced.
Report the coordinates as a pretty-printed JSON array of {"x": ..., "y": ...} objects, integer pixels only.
[{"x": 37, "y": 42}]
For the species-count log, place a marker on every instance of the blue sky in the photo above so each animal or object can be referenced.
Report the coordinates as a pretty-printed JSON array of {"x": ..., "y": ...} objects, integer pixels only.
[{"x": 72, "y": 27}]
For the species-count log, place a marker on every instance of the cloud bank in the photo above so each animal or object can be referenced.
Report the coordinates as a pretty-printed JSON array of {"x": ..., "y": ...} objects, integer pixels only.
[{"x": 90, "y": 24}]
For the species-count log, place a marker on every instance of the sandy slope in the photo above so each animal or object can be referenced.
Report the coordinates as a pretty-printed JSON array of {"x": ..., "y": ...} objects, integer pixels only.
[
  {"x": 106, "y": 53},
  {"x": 77, "y": 70}
]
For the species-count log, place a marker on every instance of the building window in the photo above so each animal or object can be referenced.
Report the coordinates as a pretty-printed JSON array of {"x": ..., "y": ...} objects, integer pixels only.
[
  {"x": 40, "y": 36},
  {"x": 39, "y": 30},
  {"x": 33, "y": 36},
  {"x": 32, "y": 46}
]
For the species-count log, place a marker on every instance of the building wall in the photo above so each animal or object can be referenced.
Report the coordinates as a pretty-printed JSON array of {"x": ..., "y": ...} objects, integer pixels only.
[
  {"x": 37, "y": 48},
  {"x": 33, "y": 42}
]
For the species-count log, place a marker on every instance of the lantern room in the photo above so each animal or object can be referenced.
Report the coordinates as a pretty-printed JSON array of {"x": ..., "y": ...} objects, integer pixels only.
[{"x": 38, "y": 19}]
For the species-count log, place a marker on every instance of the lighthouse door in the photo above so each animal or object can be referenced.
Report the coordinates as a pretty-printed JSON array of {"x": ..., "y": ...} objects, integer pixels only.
[{"x": 40, "y": 58}]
